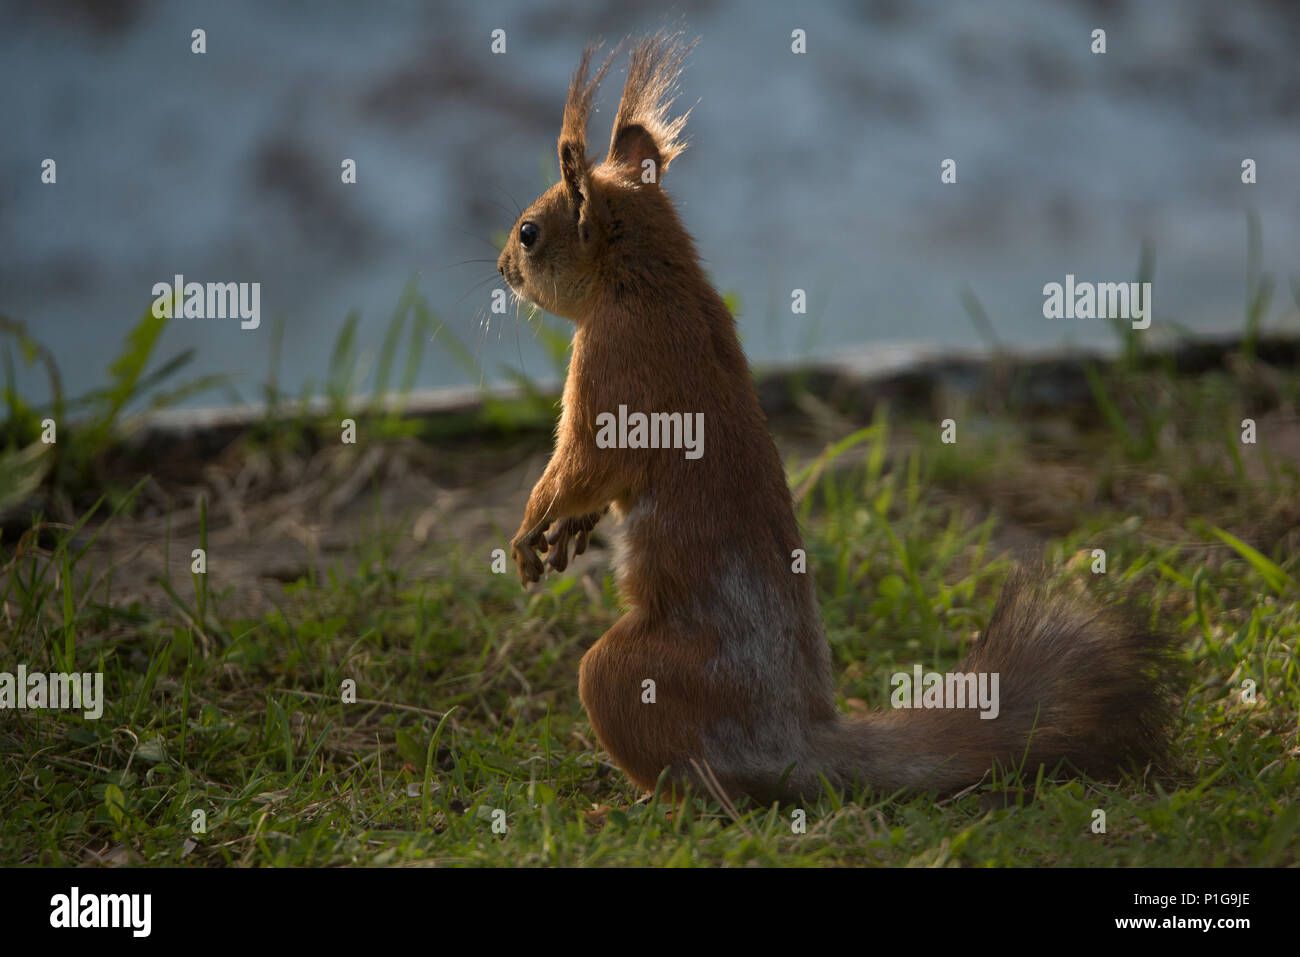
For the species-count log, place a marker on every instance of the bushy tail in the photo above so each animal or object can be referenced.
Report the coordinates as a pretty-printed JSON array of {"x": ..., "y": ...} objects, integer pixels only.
[{"x": 1078, "y": 682}]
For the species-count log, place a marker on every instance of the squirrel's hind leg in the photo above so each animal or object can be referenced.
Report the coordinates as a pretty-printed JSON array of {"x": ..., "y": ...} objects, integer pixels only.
[
  {"x": 645, "y": 697},
  {"x": 656, "y": 701}
]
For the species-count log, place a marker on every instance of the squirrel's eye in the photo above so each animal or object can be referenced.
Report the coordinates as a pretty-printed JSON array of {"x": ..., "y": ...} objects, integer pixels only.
[{"x": 528, "y": 234}]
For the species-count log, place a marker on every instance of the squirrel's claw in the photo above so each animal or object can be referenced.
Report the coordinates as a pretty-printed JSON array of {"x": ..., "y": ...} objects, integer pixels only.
[
  {"x": 576, "y": 529},
  {"x": 524, "y": 550}
]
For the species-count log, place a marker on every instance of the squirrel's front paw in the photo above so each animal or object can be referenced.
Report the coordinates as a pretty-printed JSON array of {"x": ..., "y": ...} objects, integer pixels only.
[
  {"x": 579, "y": 530},
  {"x": 524, "y": 548}
]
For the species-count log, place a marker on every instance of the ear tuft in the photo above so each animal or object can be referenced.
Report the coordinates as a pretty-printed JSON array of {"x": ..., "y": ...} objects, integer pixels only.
[
  {"x": 642, "y": 129},
  {"x": 577, "y": 110}
]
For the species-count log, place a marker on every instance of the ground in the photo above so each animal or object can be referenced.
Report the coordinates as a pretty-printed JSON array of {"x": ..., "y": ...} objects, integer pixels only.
[{"x": 230, "y": 735}]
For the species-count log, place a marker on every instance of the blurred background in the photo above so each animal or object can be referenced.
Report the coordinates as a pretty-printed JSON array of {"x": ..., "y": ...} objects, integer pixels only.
[{"x": 818, "y": 171}]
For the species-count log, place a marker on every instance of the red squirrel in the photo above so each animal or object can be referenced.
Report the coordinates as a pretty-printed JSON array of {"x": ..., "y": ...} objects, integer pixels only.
[{"x": 729, "y": 635}]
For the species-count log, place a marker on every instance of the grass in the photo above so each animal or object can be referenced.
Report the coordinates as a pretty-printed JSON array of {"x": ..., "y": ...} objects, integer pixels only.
[{"x": 406, "y": 705}]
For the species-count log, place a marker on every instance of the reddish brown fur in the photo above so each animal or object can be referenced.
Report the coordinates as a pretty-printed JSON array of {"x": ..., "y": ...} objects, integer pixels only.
[{"x": 730, "y": 635}]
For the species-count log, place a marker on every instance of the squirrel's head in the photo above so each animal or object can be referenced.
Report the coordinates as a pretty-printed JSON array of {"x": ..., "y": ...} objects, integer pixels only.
[{"x": 592, "y": 223}]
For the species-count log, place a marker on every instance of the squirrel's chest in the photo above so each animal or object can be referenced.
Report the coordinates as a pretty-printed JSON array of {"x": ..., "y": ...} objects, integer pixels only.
[{"x": 634, "y": 519}]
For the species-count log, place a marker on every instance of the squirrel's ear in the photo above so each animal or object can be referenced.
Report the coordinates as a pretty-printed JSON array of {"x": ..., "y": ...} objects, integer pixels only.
[
  {"x": 642, "y": 130},
  {"x": 573, "y": 131},
  {"x": 574, "y": 170},
  {"x": 588, "y": 206},
  {"x": 593, "y": 215},
  {"x": 635, "y": 148}
]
